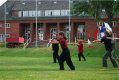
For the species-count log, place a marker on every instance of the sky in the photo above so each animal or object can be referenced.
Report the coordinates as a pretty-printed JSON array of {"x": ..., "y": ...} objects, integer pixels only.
[{"x": 2, "y": 1}]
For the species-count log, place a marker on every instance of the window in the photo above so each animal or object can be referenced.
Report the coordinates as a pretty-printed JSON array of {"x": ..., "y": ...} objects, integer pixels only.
[
  {"x": 32, "y": 13},
  {"x": 56, "y": 12},
  {"x": 81, "y": 32},
  {"x": 53, "y": 31},
  {"x": 64, "y": 12},
  {"x": 67, "y": 31},
  {"x": 25, "y": 14},
  {"x": 7, "y": 25},
  {"x": 114, "y": 23},
  {"x": 1, "y": 37},
  {"x": 20, "y": 13},
  {"x": 48, "y": 13},
  {"x": 40, "y": 32},
  {"x": 39, "y": 13}
]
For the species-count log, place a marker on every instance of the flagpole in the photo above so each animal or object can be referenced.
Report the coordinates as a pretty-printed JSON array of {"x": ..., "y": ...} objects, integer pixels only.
[
  {"x": 36, "y": 24},
  {"x": 5, "y": 22},
  {"x": 69, "y": 20}
]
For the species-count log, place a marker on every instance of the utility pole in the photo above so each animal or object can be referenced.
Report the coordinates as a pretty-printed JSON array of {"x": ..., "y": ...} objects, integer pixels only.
[
  {"x": 69, "y": 20},
  {"x": 36, "y": 25},
  {"x": 5, "y": 23}
]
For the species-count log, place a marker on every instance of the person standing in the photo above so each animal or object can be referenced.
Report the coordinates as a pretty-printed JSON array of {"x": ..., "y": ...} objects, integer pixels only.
[
  {"x": 108, "y": 47},
  {"x": 55, "y": 48},
  {"x": 65, "y": 55},
  {"x": 80, "y": 50}
]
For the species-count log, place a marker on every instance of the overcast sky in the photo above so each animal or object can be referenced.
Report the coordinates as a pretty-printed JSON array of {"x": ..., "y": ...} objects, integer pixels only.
[{"x": 2, "y": 1}]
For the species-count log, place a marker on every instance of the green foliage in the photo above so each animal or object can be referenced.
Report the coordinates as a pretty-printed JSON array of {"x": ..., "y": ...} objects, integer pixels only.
[{"x": 95, "y": 8}]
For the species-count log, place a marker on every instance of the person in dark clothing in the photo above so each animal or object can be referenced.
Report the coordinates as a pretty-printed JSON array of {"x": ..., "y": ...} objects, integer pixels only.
[
  {"x": 108, "y": 47},
  {"x": 114, "y": 50},
  {"x": 65, "y": 55},
  {"x": 55, "y": 48},
  {"x": 80, "y": 50}
]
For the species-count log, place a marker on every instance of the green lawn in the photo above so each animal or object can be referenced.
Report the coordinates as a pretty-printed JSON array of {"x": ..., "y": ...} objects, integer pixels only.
[{"x": 36, "y": 64}]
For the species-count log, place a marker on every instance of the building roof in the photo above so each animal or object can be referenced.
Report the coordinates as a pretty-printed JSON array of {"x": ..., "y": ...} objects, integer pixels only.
[
  {"x": 22, "y": 5},
  {"x": 42, "y": 5}
]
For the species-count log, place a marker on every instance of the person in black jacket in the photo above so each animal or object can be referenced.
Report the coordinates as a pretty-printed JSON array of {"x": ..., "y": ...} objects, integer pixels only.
[
  {"x": 55, "y": 48},
  {"x": 108, "y": 47}
]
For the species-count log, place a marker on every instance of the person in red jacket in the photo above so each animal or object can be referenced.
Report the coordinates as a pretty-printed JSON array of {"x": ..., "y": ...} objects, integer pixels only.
[
  {"x": 65, "y": 55},
  {"x": 80, "y": 50}
]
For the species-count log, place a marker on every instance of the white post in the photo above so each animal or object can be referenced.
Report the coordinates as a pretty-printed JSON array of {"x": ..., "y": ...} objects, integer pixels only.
[
  {"x": 69, "y": 20},
  {"x": 36, "y": 24},
  {"x": 5, "y": 22},
  {"x": 75, "y": 40}
]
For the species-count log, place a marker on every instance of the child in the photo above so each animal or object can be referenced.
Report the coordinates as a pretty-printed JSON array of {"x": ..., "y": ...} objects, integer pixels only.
[
  {"x": 65, "y": 55},
  {"x": 80, "y": 50}
]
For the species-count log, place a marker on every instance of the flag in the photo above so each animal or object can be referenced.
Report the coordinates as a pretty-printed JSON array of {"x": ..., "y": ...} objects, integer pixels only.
[
  {"x": 90, "y": 44},
  {"x": 96, "y": 33},
  {"x": 108, "y": 28},
  {"x": 105, "y": 27},
  {"x": 102, "y": 30}
]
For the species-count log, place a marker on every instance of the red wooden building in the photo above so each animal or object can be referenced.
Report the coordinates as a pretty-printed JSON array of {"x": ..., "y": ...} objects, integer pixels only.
[{"x": 52, "y": 15}]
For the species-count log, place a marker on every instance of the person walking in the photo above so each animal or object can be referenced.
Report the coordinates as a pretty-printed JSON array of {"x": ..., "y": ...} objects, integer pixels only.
[
  {"x": 108, "y": 47},
  {"x": 80, "y": 50}
]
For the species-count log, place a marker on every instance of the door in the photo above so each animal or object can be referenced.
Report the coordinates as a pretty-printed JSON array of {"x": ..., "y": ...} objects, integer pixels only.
[
  {"x": 52, "y": 32},
  {"x": 1, "y": 37},
  {"x": 40, "y": 32},
  {"x": 81, "y": 32},
  {"x": 66, "y": 30},
  {"x": 27, "y": 32}
]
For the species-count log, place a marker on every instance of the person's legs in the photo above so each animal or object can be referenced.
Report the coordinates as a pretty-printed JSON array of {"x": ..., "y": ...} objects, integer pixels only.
[
  {"x": 113, "y": 60},
  {"x": 56, "y": 55},
  {"x": 83, "y": 57},
  {"x": 54, "y": 58},
  {"x": 115, "y": 56},
  {"x": 79, "y": 56},
  {"x": 61, "y": 61},
  {"x": 104, "y": 61},
  {"x": 68, "y": 60}
]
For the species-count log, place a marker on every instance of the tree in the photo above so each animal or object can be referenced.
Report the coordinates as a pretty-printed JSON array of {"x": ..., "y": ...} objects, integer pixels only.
[{"x": 94, "y": 8}]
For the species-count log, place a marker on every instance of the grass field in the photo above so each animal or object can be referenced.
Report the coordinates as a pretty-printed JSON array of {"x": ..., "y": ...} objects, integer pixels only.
[{"x": 36, "y": 64}]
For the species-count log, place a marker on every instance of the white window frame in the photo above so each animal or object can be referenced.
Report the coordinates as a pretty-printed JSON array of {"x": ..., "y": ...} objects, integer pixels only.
[
  {"x": 56, "y": 13},
  {"x": 114, "y": 23},
  {"x": 48, "y": 12},
  {"x": 64, "y": 12},
  {"x": 20, "y": 13},
  {"x": 39, "y": 13},
  {"x": 2, "y": 37},
  {"x": 40, "y": 32},
  {"x": 33, "y": 13},
  {"x": 7, "y": 25},
  {"x": 25, "y": 13}
]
